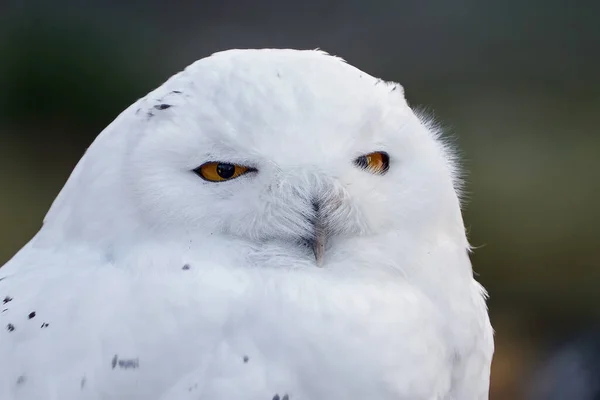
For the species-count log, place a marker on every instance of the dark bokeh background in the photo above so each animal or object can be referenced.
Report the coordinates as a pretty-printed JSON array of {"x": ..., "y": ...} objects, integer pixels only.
[{"x": 516, "y": 83}]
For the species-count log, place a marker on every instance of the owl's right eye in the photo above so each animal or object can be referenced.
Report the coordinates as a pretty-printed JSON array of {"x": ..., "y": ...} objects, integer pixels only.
[{"x": 219, "y": 172}]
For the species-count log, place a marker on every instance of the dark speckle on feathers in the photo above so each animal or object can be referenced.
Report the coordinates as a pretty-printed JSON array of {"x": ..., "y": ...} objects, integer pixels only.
[
  {"x": 186, "y": 267},
  {"x": 7, "y": 299},
  {"x": 10, "y": 327},
  {"x": 285, "y": 397},
  {"x": 21, "y": 380},
  {"x": 246, "y": 359},
  {"x": 193, "y": 387},
  {"x": 131, "y": 363},
  {"x": 82, "y": 385},
  {"x": 276, "y": 397},
  {"x": 31, "y": 315},
  {"x": 5, "y": 310},
  {"x": 162, "y": 106},
  {"x": 44, "y": 325},
  {"x": 176, "y": 91}
]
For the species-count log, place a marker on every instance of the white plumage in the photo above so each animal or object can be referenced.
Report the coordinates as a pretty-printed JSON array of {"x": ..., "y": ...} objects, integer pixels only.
[{"x": 148, "y": 282}]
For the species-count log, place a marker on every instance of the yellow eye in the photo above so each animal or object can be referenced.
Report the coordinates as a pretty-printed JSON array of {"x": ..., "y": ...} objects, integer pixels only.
[
  {"x": 376, "y": 163},
  {"x": 219, "y": 172}
]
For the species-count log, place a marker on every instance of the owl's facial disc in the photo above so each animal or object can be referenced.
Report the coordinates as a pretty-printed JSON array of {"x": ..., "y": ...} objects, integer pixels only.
[{"x": 289, "y": 212}]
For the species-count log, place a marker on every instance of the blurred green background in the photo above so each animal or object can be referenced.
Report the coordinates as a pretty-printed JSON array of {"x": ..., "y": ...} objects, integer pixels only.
[{"x": 517, "y": 84}]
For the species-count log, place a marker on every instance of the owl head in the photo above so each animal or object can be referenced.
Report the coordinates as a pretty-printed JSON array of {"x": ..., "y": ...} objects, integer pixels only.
[{"x": 290, "y": 153}]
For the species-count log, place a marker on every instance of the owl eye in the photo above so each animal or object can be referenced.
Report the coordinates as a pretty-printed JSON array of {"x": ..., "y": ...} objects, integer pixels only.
[
  {"x": 219, "y": 172},
  {"x": 377, "y": 162}
]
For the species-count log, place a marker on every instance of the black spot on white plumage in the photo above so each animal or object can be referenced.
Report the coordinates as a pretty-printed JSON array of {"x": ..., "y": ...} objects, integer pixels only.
[
  {"x": 285, "y": 397},
  {"x": 246, "y": 359},
  {"x": 7, "y": 299},
  {"x": 5, "y": 310},
  {"x": 21, "y": 380},
  {"x": 186, "y": 267},
  {"x": 114, "y": 360},
  {"x": 129, "y": 364},
  {"x": 176, "y": 91},
  {"x": 31, "y": 315},
  {"x": 193, "y": 387},
  {"x": 276, "y": 397},
  {"x": 10, "y": 327},
  {"x": 163, "y": 106},
  {"x": 82, "y": 384},
  {"x": 44, "y": 325}
]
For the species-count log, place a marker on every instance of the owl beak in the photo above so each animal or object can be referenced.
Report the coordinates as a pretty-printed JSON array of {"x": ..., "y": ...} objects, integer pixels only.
[
  {"x": 318, "y": 244},
  {"x": 319, "y": 239}
]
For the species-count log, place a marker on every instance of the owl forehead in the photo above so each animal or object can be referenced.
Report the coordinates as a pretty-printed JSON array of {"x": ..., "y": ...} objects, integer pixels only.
[
  {"x": 285, "y": 148},
  {"x": 287, "y": 138},
  {"x": 286, "y": 106}
]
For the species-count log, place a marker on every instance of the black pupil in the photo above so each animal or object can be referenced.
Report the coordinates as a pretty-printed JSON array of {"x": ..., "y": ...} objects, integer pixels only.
[
  {"x": 362, "y": 162},
  {"x": 225, "y": 171}
]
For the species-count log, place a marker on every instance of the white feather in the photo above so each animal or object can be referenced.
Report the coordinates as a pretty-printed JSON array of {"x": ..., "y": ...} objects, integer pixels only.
[{"x": 148, "y": 282}]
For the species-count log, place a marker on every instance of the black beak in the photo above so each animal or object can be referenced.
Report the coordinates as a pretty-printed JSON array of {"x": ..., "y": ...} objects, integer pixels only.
[{"x": 319, "y": 239}]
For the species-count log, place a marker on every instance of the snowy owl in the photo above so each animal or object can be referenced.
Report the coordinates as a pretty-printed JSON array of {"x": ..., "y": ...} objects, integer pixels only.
[{"x": 266, "y": 225}]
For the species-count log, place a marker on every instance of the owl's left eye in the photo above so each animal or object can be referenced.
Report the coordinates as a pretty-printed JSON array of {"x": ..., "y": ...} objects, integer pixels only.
[
  {"x": 219, "y": 172},
  {"x": 377, "y": 162}
]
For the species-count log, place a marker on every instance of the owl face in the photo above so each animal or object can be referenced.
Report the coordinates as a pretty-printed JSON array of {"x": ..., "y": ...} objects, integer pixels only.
[{"x": 284, "y": 146}]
